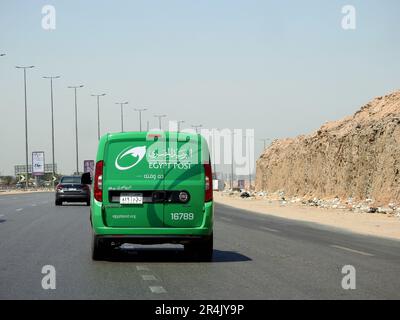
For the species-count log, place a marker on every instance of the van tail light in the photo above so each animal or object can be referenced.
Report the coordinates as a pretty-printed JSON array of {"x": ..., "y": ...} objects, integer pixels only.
[
  {"x": 208, "y": 182},
  {"x": 98, "y": 181},
  {"x": 59, "y": 187}
]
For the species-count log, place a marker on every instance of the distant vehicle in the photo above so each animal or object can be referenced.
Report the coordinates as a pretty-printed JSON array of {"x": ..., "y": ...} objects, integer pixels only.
[
  {"x": 70, "y": 189},
  {"x": 145, "y": 194}
]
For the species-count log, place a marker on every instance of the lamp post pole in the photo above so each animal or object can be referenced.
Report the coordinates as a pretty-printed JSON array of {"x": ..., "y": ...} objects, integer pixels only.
[
  {"x": 140, "y": 117},
  {"x": 98, "y": 112},
  {"x": 26, "y": 124},
  {"x": 52, "y": 124},
  {"x": 160, "y": 116},
  {"x": 179, "y": 124},
  {"x": 122, "y": 114},
  {"x": 76, "y": 126}
]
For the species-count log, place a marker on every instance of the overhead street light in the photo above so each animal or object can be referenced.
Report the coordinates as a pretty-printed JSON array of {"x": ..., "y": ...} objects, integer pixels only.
[
  {"x": 26, "y": 122},
  {"x": 196, "y": 127},
  {"x": 98, "y": 112},
  {"x": 140, "y": 117},
  {"x": 52, "y": 123},
  {"x": 76, "y": 126},
  {"x": 160, "y": 116},
  {"x": 122, "y": 114}
]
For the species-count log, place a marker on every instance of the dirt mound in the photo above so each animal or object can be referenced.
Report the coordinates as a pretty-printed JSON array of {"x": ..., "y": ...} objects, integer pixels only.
[{"x": 358, "y": 157}]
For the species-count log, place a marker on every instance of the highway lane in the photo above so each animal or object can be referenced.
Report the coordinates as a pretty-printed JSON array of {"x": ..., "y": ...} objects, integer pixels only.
[{"x": 256, "y": 257}]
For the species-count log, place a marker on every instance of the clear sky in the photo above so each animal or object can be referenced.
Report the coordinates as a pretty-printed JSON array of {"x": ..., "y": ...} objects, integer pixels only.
[{"x": 280, "y": 67}]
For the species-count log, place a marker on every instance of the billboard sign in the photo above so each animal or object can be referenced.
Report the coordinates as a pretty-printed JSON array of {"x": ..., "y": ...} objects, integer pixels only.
[
  {"x": 88, "y": 166},
  {"x": 38, "y": 163}
]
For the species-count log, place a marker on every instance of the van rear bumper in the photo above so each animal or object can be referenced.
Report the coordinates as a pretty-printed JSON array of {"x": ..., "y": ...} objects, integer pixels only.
[{"x": 151, "y": 239}]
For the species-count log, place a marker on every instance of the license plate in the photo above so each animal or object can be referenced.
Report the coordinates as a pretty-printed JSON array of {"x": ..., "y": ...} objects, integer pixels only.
[
  {"x": 131, "y": 198},
  {"x": 72, "y": 189}
]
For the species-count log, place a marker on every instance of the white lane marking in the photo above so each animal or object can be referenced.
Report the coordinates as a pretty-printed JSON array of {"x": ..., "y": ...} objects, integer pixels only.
[
  {"x": 142, "y": 268},
  {"x": 352, "y": 250},
  {"x": 226, "y": 219},
  {"x": 148, "y": 277},
  {"x": 269, "y": 229},
  {"x": 19, "y": 209},
  {"x": 1, "y": 216},
  {"x": 157, "y": 289},
  {"x": 34, "y": 205}
]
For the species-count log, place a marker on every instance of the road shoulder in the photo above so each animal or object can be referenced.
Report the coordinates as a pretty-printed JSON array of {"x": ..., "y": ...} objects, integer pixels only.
[{"x": 380, "y": 225}]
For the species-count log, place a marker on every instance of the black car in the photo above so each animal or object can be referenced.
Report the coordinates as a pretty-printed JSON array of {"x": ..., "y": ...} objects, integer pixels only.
[{"x": 71, "y": 189}]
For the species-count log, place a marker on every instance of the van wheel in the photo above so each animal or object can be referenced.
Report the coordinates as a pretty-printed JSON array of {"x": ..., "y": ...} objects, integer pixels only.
[
  {"x": 58, "y": 203},
  {"x": 87, "y": 203},
  {"x": 99, "y": 249},
  {"x": 201, "y": 251}
]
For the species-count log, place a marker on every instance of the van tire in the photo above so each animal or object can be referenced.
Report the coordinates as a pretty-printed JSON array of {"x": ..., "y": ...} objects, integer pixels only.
[
  {"x": 58, "y": 203},
  {"x": 201, "y": 251},
  {"x": 87, "y": 203},
  {"x": 99, "y": 249}
]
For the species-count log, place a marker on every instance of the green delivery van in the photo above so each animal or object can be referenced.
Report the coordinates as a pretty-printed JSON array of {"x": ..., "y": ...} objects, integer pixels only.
[{"x": 152, "y": 188}]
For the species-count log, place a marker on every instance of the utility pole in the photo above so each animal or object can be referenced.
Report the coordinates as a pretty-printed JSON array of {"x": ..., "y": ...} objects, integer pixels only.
[
  {"x": 26, "y": 124},
  {"x": 160, "y": 116},
  {"x": 98, "y": 112},
  {"x": 122, "y": 114},
  {"x": 76, "y": 126},
  {"x": 52, "y": 125},
  {"x": 140, "y": 117}
]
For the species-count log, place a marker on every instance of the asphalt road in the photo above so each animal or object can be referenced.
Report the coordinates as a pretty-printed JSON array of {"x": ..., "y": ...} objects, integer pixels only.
[{"x": 255, "y": 257}]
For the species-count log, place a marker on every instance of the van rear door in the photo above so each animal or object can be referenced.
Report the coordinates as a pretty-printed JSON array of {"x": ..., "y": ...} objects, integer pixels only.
[
  {"x": 130, "y": 185},
  {"x": 185, "y": 173}
]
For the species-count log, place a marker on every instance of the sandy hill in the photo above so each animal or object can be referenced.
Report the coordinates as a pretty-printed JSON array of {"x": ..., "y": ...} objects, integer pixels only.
[{"x": 358, "y": 156}]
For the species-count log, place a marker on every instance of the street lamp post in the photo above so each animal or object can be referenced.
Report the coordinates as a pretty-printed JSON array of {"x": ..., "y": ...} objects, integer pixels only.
[
  {"x": 249, "y": 159},
  {"x": 52, "y": 124},
  {"x": 26, "y": 124},
  {"x": 160, "y": 116},
  {"x": 98, "y": 112},
  {"x": 196, "y": 127},
  {"x": 76, "y": 127},
  {"x": 232, "y": 147},
  {"x": 122, "y": 113},
  {"x": 179, "y": 124},
  {"x": 140, "y": 117},
  {"x": 265, "y": 142}
]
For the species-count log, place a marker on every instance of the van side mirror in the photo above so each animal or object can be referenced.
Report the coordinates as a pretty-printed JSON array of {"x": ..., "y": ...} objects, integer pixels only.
[{"x": 86, "y": 178}]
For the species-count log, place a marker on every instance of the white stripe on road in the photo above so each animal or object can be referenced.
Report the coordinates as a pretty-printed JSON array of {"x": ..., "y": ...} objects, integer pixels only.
[
  {"x": 142, "y": 268},
  {"x": 19, "y": 209},
  {"x": 269, "y": 229},
  {"x": 148, "y": 277},
  {"x": 34, "y": 205},
  {"x": 157, "y": 289},
  {"x": 352, "y": 250},
  {"x": 226, "y": 219}
]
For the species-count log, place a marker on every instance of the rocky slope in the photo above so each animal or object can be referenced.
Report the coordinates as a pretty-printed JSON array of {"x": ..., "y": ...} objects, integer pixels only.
[{"x": 358, "y": 157}]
